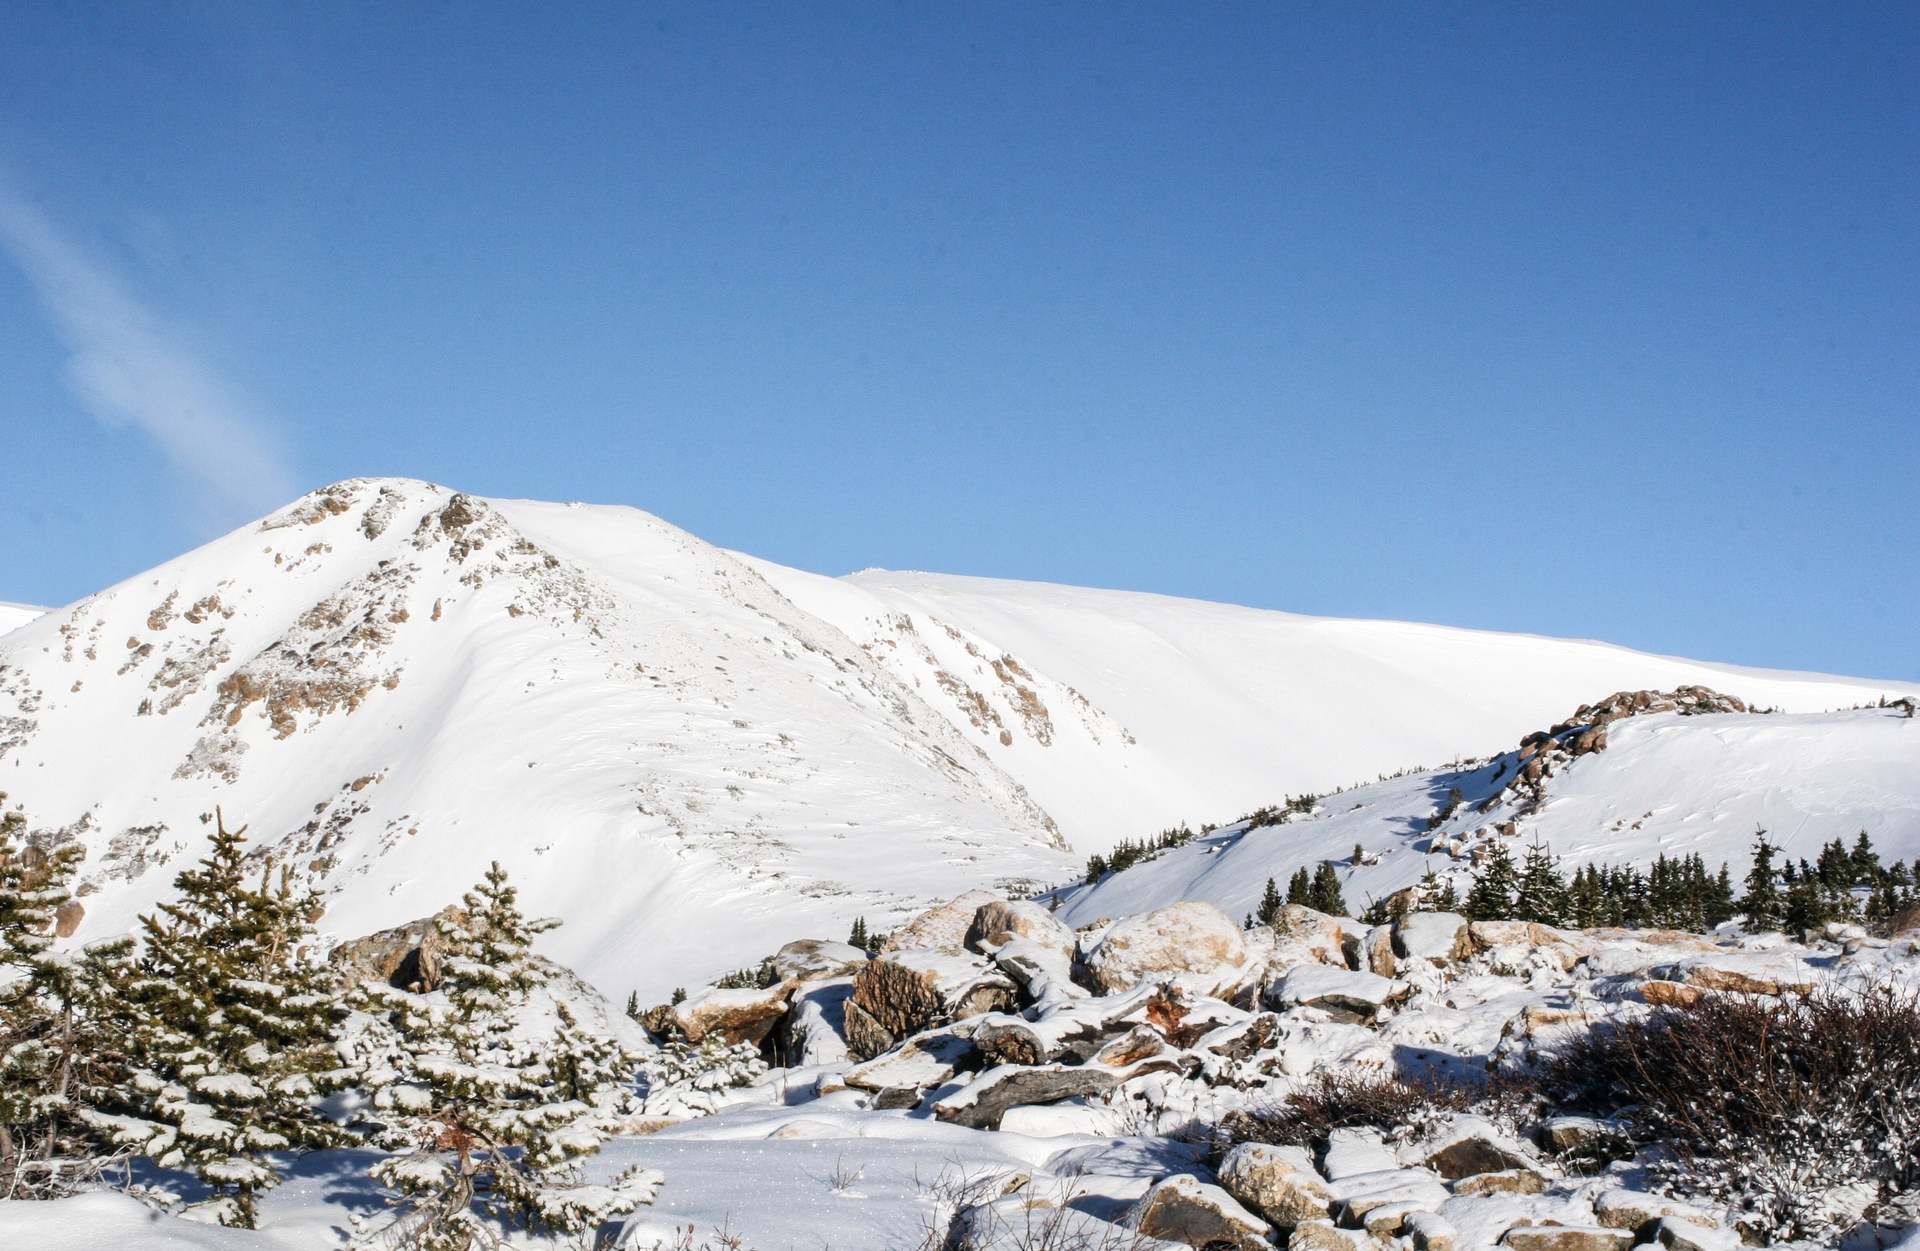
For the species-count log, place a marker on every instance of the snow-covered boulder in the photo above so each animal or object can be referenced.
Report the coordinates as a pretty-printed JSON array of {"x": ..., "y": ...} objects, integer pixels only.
[
  {"x": 817, "y": 960},
  {"x": 1280, "y": 1183},
  {"x": 1567, "y": 1238},
  {"x": 1184, "y": 1209},
  {"x": 1745, "y": 972},
  {"x": 1620, "y": 1208},
  {"x": 903, "y": 992},
  {"x": 737, "y": 1015},
  {"x": 816, "y": 1024},
  {"x": 1438, "y": 938},
  {"x": 1194, "y": 945},
  {"x": 1361, "y": 996},
  {"x": 1303, "y": 936},
  {"x": 920, "y": 1063},
  {"x": 982, "y": 1102},
  {"x": 1466, "y": 1146},
  {"x": 944, "y": 925},
  {"x": 1002, "y": 921}
]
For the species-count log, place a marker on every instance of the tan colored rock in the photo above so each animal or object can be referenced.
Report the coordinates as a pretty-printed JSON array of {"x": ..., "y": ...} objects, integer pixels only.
[
  {"x": 1192, "y": 941},
  {"x": 1303, "y": 936},
  {"x": 1566, "y": 1238},
  {"x": 1431, "y": 1231},
  {"x": 734, "y": 1015},
  {"x": 1378, "y": 952},
  {"x": 1664, "y": 994},
  {"x": 817, "y": 960},
  {"x": 1438, "y": 938},
  {"x": 942, "y": 926},
  {"x": 1677, "y": 1234},
  {"x": 407, "y": 956},
  {"x": 67, "y": 918},
  {"x": 1279, "y": 1183},
  {"x": 1636, "y": 1210},
  {"x": 1536, "y": 1019},
  {"x": 996, "y": 924},
  {"x": 1184, "y": 1209},
  {"x": 1512, "y": 1181},
  {"x": 1575, "y": 1133},
  {"x": 1326, "y": 1236},
  {"x": 1749, "y": 977},
  {"x": 900, "y": 993}
]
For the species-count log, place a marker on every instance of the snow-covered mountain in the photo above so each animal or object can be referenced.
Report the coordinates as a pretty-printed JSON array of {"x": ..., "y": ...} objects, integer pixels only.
[
  {"x": 12, "y": 615},
  {"x": 691, "y": 755}
]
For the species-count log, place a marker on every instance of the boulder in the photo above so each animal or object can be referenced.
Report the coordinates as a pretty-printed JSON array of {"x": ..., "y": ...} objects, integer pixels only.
[
  {"x": 919, "y": 1064},
  {"x": 817, "y": 960},
  {"x": 746, "y": 1014},
  {"x": 407, "y": 956},
  {"x": 1196, "y": 943},
  {"x": 996, "y": 924},
  {"x": 1637, "y": 1210},
  {"x": 1377, "y": 952},
  {"x": 1009, "y": 1040},
  {"x": 945, "y": 925},
  {"x": 1359, "y": 996},
  {"x": 1303, "y": 936},
  {"x": 1566, "y": 1238},
  {"x": 899, "y": 993},
  {"x": 1745, "y": 973},
  {"x": 982, "y": 1102},
  {"x": 1326, "y": 1236},
  {"x": 1433, "y": 937},
  {"x": 1678, "y": 1234},
  {"x": 1664, "y": 994},
  {"x": 815, "y": 1028},
  {"x": 1471, "y": 1145},
  {"x": 1354, "y": 1153},
  {"x": 1431, "y": 1231},
  {"x": 1280, "y": 1183},
  {"x": 1578, "y": 1134},
  {"x": 1184, "y": 1209},
  {"x": 67, "y": 918},
  {"x": 1512, "y": 1181}
]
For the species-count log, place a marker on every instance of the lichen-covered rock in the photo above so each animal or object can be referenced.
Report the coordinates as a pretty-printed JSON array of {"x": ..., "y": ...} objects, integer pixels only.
[
  {"x": 744, "y": 1014},
  {"x": 1664, "y": 994},
  {"x": 1303, "y": 936},
  {"x": 407, "y": 956},
  {"x": 1194, "y": 943},
  {"x": 1279, "y": 1183},
  {"x": 996, "y": 924},
  {"x": 944, "y": 925},
  {"x": 1184, "y": 1209}
]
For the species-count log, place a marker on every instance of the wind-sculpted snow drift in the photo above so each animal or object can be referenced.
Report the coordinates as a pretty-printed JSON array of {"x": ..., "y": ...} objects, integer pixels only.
[{"x": 691, "y": 755}]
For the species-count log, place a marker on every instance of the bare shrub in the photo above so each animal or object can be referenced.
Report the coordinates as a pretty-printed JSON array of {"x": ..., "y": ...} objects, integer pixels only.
[
  {"x": 1366, "y": 1100},
  {"x": 1802, "y": 1111}
]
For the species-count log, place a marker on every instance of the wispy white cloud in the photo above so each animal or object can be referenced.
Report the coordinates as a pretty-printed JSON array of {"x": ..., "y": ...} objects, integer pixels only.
[{"x": 126, "y": 368}]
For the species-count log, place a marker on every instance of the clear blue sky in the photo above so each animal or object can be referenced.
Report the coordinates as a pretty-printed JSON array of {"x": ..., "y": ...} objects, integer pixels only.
[{"x": 1582, "y": 319}]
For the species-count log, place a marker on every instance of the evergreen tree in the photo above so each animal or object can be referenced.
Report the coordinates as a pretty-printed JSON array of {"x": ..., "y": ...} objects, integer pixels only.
[
  {"x": 857, "y": 936},
  {"x": 232, "y": 1026},
  {"x": 1325, "y": 893},
  {"x": 1866, "y": 862},
  {"x": 1808, "y": 906},
  {"x": 1541, "y": 894},
  {"x": 1270, "y": 904},
  {"x": 1762, "y": 902},
  {"x": 59, "y": 1058},
  {"x": 1300, "y": 888},
  {"x": 1448, "y": 897},
  {"x": 1491, "y": 898},
  {"x": 501, "y": 1113}
]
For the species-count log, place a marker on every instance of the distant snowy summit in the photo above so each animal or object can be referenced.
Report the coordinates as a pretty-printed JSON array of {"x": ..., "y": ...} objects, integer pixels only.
[
  {"x": 12, "y": 615},
  {"x": 692, "y": 755}
]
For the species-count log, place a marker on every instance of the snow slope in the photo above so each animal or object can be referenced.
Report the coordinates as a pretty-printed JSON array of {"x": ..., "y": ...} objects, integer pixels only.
[
  {"x": 1666, "y": 784},
  {"x": 14, "y": 615},
  {"x": 690, "y": 755}
]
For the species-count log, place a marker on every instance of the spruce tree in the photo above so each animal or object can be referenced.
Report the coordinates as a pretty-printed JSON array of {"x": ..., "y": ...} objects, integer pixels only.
[
  {"x": 1270, "y": 904},
  {"x": 1300, "y": 888},
  {"x": 232, "y": 1026},
  {"x": 59, "y": 1036},
  {"x": 1324, "y": 895},
  {"x": 857, "y": 937},
  {"x": 501, "y": 1113},
  {"x": 1762, "y": 902},
  {"x": 1542, "y": 893},
  {"x": 1491, "y": 898}
]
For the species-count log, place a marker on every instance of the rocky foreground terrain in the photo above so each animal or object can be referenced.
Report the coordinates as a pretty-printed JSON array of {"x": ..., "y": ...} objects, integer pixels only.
[{"x": 1152, "y": 1050}]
